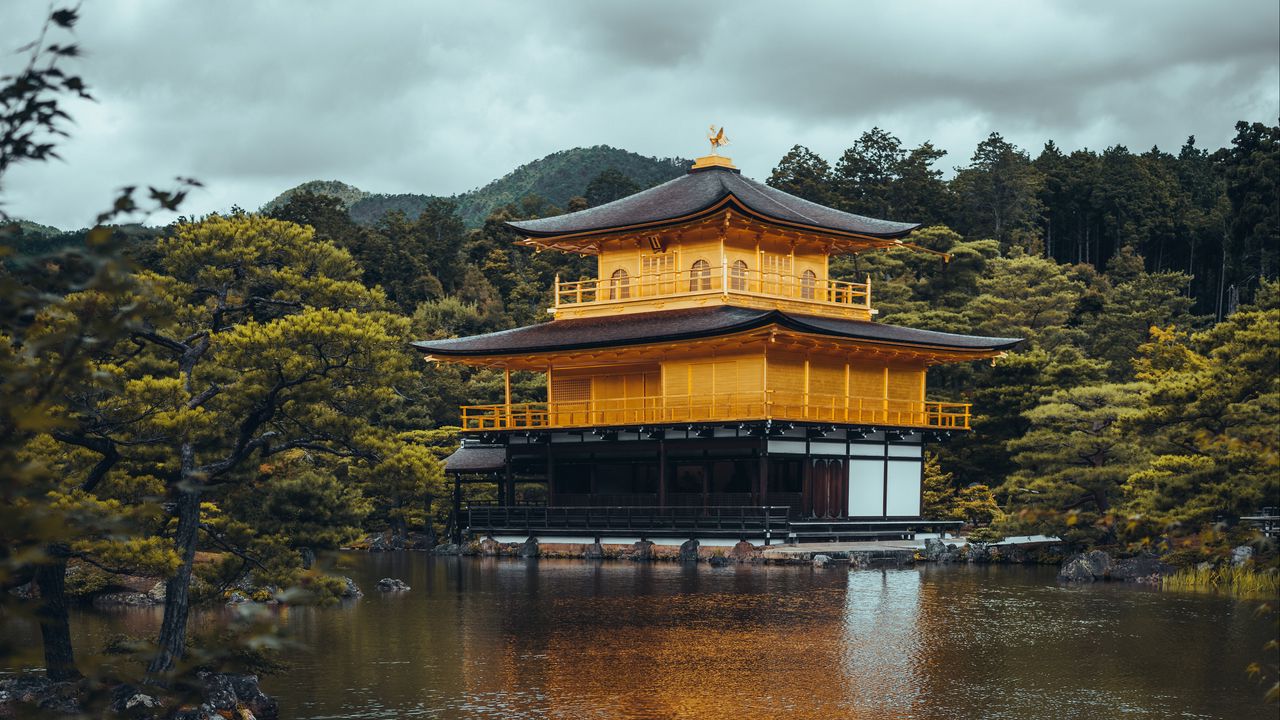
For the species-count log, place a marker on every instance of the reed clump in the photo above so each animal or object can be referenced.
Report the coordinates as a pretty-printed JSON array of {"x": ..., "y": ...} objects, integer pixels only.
[{"x": 1236, "y": 580}]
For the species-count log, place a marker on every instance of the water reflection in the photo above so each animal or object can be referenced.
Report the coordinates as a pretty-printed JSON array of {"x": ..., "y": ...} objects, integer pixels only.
[
  {"x": 492, "y": 638},
  {"x": 881, "y": 643}
]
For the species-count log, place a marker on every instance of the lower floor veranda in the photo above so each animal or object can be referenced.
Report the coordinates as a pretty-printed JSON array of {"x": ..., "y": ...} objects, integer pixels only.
[{"x": 705, "y": 475}]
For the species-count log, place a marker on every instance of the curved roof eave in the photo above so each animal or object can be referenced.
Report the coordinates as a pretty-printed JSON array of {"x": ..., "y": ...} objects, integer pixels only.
[
  {"x": 729, "y": 200},
  {"x": 698, "y": 194},
  {"x": 697, "y": 324}
]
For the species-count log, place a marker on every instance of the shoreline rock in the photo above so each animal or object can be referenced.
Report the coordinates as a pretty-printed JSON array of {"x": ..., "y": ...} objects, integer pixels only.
[
  {"x": 224, "y": 695},
  {"x": 689, "y": 551},
  {"x": 392, "y": 585},
  {"x": 1098, "y": 565},
  {"x": 641, "y": 551},
  {"x": 529, "y": 548},
  {"x": 130, "y": 598}
]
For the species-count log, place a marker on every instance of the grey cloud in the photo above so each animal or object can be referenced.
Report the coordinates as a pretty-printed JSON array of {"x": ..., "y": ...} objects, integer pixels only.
[{"x": 254, "y": 97}]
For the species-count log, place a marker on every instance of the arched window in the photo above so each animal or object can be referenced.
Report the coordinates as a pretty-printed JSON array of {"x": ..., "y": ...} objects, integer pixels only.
[
  {"x": 808, "y": 281},
  {"x": 700, "y": 276},
  {"x": 738, "y": 275},
  {"x": 619, "y": 285}
]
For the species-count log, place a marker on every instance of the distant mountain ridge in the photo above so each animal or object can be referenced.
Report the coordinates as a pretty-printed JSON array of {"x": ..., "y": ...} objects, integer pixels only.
[
  {"x": 557, "y": 178},
  {"x": 34, "y": 229},
  {"x": 348, "y": 194}
]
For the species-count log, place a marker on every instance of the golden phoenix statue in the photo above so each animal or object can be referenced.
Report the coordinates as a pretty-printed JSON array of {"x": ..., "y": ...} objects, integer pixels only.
[{"x": 717, "y": 138}]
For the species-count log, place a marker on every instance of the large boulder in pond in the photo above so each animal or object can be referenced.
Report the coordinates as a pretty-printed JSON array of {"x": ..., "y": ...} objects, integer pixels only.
[
  {"x": 744, "y": 551},
  {"x": 489, "y": 546},
  {"x": 1140, "y": 568},
  {"x": 392, "y": 585},
  {"x": 1086, "y": 567},
  {"x": 689, "y": 550},
  {"x": 129, "y": 701},
  {"x": 384, "y": 542},
  {"x": 529, "y": 548},
  {"x": 232, "y": 695},
  {"x": 447, "y": 549},
  {"x": 250, "y": 695},
  {"x": 641, "y": 551},
  {"x": 350, "y": 589},
  {"x": 936, "y": 550}
]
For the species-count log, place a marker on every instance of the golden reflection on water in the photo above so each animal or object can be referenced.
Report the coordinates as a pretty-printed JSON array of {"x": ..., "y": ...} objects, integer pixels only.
[
  {"x": 488, "y": 638},
  {"x": 715, "y": 654}
]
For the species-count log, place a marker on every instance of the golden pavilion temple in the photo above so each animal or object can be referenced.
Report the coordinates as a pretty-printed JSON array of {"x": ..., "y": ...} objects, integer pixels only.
[{"x": 712, "y": 380}]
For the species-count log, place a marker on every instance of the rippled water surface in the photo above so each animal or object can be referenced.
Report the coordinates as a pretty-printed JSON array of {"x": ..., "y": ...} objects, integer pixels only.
[{"x": 575, "y": 639}]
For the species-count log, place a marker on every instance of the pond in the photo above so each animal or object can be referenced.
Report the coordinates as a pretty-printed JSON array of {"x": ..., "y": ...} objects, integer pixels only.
[{"x": 506, "y": 638}]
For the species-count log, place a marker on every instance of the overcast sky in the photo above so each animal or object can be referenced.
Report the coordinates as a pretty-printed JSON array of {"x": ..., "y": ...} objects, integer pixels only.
[{"x": 255, "y": 97}]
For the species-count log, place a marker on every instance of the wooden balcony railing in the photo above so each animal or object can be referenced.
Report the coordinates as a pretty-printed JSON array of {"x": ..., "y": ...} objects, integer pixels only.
[
  {"x": 727, "y": 280},
  {"x": 760, "y": 405}
]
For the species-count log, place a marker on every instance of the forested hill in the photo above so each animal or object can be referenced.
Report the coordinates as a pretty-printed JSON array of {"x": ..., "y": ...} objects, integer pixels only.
[
  {"x": 348, "y": 195},
  {"x": 556, "y": 178}
]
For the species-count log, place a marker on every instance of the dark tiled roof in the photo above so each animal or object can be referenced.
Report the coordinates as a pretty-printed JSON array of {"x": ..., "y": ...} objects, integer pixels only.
[
  {"x": 685, "y": 197},
  {"x": 470, "y": 458},
  {"x": 671, "y": 325}
]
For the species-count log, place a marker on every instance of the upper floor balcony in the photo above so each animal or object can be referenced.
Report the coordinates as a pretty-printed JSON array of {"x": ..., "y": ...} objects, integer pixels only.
[{"x": 705, "y": 284}]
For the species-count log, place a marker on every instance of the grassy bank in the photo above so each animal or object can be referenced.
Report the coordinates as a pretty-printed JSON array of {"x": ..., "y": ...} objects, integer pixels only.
[{"x": 1246, "y": 581}]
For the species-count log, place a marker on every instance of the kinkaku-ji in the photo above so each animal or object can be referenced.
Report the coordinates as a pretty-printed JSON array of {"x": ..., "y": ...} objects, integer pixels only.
[{"x": 712, "y": 381}]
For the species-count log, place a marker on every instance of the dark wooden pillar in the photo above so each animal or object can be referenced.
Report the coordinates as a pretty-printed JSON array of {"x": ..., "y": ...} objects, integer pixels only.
[
  {"x": 822, "y": 478},
  {"x": 833, "y": 488},
  {"x": 508, "y": 486},
  {"x": 551, "y": 475},
  {"x": 455, "y": 536},
  {"x": 842, "y": 469},
  {"x": 707, "y": 469},
  {"x": 807, "y": 504},
  {"x": 764, "y": 474},
  {"x": 662, "y": 472},
  {"x": 819, "y": 487}
]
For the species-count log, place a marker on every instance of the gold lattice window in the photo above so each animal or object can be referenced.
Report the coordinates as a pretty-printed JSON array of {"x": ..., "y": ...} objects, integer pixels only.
[
  {"x": 619, "y": 285},
  {"x": 571, "y": 389},
  {"x": 658, "y": 271},
  {"x": 738, "y": 275},
  {"x": 700, "y": 276},
  {"x": 775, "y": 272}
]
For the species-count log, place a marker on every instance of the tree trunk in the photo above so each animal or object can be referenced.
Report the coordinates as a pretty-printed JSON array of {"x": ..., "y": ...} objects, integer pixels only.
[
  {"x": 430, "y": 528},
  {"x": 55, "y": 631},
  {"x": 173, "y": 628}
]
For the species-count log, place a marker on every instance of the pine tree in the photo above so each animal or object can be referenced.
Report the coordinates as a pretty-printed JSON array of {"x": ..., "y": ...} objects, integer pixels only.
[
  {"x": 1214, "y": 400},
  {"x": 1074, "y": 460},
  {"x": 804, "y": 174}
]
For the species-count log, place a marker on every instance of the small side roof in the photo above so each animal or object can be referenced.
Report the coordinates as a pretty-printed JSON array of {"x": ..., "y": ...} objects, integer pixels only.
[
  {"x": 476, "y": 459},
  {"x": 703, "y": 192},
  {"x": 690, "y": 324}
]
